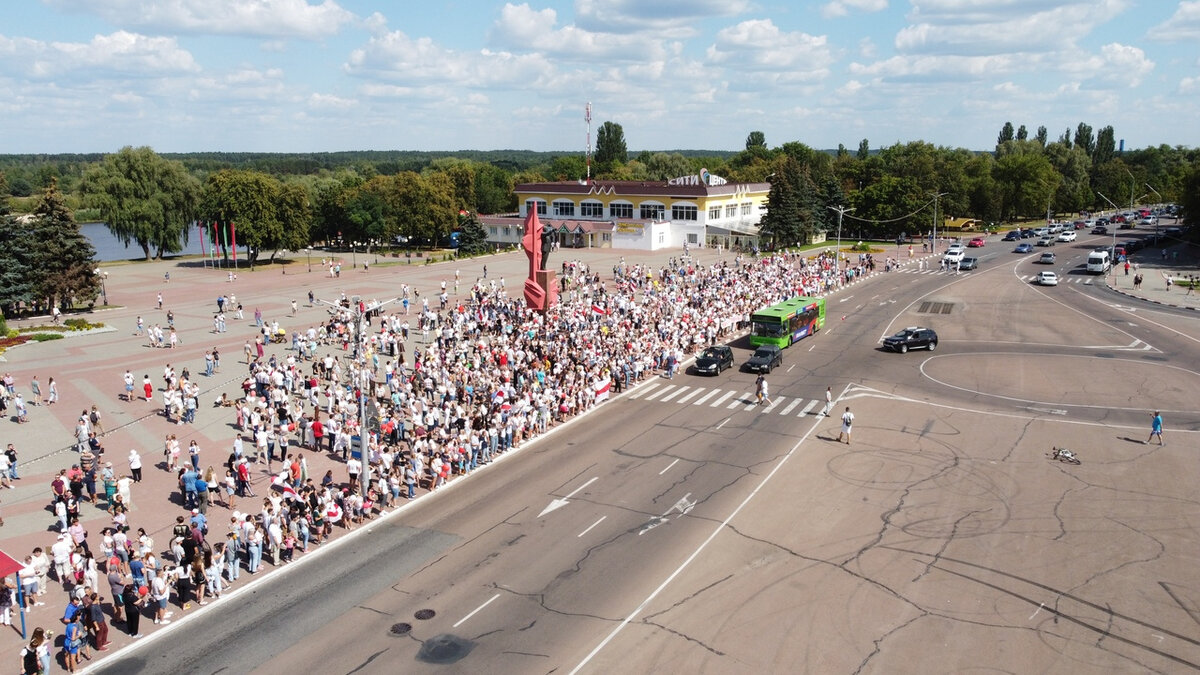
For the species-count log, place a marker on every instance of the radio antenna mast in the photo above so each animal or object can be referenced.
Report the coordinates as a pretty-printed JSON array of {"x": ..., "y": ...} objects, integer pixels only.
[{"x": 587, "y": 116}]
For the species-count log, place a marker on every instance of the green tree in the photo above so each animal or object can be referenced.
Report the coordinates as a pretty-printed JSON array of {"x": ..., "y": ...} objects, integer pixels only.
[
  {"x": 16, "y": 257},
  {"x": 1006, "y": 135},
  {"x": 1022, "y": 133},
  {"x": 864, "y": 149},
  {"x": 1084, "y": 138},
  {"x": 248, "y": 200},
  {"x": 1026, "y": 181},
  {"x": 610, "y": 145},
  {"x": 783, "y": 222},
  {"x": 1042, "y": 136},
  {"x": 897, "y": 202},
  {"x": 294, "y": 210},
  {"x": 1106, "y": 145},
  {"x": 665, "y": 167},
  {"x": 1073, "y": 165},
  {"x": 473, "y": 237},
  {"x": 1191, "y": 198},
  {"x": 494, "y": 190},
  {"x": 842, "y": 151},
  {"x": 756, "y": 141},
  {"x": 1065, "y": 139},
  {"x": 64, "y": 266},
  {"x": 143, "y": 199}
]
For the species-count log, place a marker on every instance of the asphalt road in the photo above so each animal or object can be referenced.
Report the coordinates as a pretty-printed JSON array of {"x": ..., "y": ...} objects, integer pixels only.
[{"x": 681, "y": 529}]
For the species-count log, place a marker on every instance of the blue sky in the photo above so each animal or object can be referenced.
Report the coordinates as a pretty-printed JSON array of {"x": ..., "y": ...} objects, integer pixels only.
[{"x": 325, "y": 75}]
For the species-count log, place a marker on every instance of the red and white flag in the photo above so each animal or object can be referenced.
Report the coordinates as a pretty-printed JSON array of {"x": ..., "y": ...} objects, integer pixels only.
[
  {"x": 602, "y": 388},
  {"x": 597, "y": 309}
]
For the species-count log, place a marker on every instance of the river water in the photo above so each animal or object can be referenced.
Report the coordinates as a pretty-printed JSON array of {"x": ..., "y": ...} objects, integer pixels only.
[{"x": 109, "y": 248}]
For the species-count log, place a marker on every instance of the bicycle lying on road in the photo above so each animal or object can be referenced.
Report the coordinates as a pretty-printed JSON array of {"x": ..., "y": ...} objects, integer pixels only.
[{"x": 1064, "y": 455}]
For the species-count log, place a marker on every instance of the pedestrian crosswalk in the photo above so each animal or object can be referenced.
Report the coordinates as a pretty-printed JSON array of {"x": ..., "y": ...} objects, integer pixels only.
[
  {"x": 728, "y": 399},
  {"x": 1062, "y": 279}
]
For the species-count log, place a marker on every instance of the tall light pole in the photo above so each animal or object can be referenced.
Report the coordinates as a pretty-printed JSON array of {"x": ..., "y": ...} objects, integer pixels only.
[
  {"x": 841, "y": 211},
  {"x": 308, "y": 256},
  {"x": 1160, "y": 200},
  {"x": 1114, "y": 242},
  {"x": 936, "y": 196},
  {"x": 360, "y": 311}
]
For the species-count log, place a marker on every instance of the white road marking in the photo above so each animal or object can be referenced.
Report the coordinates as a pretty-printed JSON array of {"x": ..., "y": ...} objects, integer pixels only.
[
  {"x": 692, "y": 393},
  {"x": 845, "y": 298},
  {"x": 772, "y": 405},
  {"x": 1035, "y": 612},
  {"x": 591, "y": 526},
  {"x": 669, "y": 466},
  {"x": 750, "y": 406},
  {"x": 707, "y": 396},
  {"x": 811, "y": 404},
  {"x": 660, "y": 392},
  {"x": 673, "y": 394},
  {"x": 722, "y": 423},
  {"x": 563, "y": 501},
  {"x": 791, "y": 405},
  {"x": 790, "y": 368},
  {"x": 700, "y": 549},
  {"x": 722, "y": 399},
  {"x": 463, "y": 620},
  {"x": 642, "y": 391}
]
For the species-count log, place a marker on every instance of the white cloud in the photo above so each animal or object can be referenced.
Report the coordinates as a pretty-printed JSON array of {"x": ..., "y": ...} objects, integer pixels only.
[
  {"x": 661, "y": 19},
  {"x": 520, "y": 28},
  {"x": 123, "y": 53},
  {"x": 1001, "y": 26},
  {"x": 759, "y": 46},
  {"x": 329, "y": 101},
  {"x": 867, "y": 48},
  {"x": 840, "y": 8},
  {"x": 1189, "y": 85},
  {"x": 1184, "y": 25},
  {"x": 258, "y": 18}
]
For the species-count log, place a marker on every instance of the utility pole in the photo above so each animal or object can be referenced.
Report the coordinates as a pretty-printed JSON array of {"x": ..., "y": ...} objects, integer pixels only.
[
  {"x": 841, "y": 211},
  {"x": 936, "y": 196}
]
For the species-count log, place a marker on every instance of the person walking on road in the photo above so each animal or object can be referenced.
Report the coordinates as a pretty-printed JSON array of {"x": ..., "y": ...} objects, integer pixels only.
[
  {"x": 828, "y": 402},
  {"x": 847, "y": 424},
  {"x": 1156, "y": 427}
]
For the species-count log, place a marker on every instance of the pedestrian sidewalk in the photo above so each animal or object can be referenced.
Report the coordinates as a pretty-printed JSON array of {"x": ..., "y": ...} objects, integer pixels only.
[{"x": 1181, "y": 264}]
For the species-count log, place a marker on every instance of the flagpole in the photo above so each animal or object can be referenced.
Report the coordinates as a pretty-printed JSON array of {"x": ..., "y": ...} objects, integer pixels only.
[{"x": 203, "y": 253}]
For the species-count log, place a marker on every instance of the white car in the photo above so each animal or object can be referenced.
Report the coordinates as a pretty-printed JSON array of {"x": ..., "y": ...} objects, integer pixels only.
[
  {"x": 1067, "y": 235},
  {"x": 954, "y": 255},
  {"x": 1047, "y": 279}
]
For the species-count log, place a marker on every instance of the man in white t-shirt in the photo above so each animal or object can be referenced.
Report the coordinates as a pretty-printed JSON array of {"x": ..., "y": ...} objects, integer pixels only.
[{"x": 847, "y": 423}]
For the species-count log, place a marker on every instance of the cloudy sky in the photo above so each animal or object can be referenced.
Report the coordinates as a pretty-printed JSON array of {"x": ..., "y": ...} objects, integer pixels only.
[{"x": 318, "y": 75}]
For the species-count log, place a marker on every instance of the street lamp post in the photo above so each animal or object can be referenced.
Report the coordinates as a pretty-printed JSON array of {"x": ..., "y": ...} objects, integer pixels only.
[
  {"x": 936, "y": 196},
  {"x": 308, "y": 256},
  {"x": 841, "y": 211},
  {"x": 1160, "y": 200},
  {"x": 1114, "y": 241}
]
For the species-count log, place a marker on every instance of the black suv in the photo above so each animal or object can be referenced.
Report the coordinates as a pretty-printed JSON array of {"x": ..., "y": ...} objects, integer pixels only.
[
  {"x": 911, "y": 338},
  {"x": 713, "y": 360},
  {"x": 764, "y": 359}
]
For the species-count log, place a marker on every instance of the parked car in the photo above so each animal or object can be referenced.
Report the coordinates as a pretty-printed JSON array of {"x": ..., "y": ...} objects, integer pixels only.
[
  {"x": 1023, "y": 247},
  {"x": 1066, "y": 235},
  {"x": 976, "y": 242},
  {"x": 1047, "y": 258},
  {"x": 764, "y": 359},
  {"x": 713, "y": 360},
  {"x": 1131, "y": 245},
  {"x": 913, "y": 337},
  {"x": 1047, "y": 240},
  {"x": 1047, "y": 279},
  {"x": 968, "y": 263},
  {"x": 1012, "y": 235}
]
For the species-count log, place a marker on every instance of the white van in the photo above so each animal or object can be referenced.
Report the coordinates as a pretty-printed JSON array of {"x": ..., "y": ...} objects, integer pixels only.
[{"x": 1098, "y": 262}]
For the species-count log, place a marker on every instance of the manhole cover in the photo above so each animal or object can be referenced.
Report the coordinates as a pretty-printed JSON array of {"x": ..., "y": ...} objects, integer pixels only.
[
  {"x": 444, "y": 648},
  {"x": 401, "y": 628},
  {"x": 425, "y": 614}
]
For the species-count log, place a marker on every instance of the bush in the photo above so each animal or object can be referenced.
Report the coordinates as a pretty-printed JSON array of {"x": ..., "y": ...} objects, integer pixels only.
[
  {"x": 3, "y": 325},
  {"x": 76, "y": 324},
  {"x": 44, "y": 337},
  {"x": 862, "y": 247}
]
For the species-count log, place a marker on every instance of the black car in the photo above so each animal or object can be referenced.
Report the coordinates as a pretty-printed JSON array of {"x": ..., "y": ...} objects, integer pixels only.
[
  {"x": 764, "y": 359},
  {"x": 1012, "y": 235},
  {"x": 1100, "y": 229},
  {"x": 911, "y": 338},
  {"x": 713, "y": 360}
]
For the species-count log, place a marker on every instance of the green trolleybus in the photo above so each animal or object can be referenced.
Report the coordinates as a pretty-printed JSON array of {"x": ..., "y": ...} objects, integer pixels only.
[{"x": 786, "y": 322}]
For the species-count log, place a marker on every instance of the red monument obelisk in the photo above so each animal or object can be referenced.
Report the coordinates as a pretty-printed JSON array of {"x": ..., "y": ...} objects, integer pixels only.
[{"x": 540, "y": 292}]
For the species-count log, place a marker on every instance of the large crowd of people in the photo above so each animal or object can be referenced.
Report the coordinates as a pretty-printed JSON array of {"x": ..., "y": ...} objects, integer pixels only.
[{"x": 445, "y": 386}]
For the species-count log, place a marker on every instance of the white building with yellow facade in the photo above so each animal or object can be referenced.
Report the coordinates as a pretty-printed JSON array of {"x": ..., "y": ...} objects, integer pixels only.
[{"x": 698, "y": 210}]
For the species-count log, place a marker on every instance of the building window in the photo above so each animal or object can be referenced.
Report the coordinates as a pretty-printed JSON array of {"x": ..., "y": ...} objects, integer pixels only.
[
  {"x": 692, "y": 238},
  {"x": 746, "y": 208},
  {"x": 652, "y": 211},
  {"x": 684, "y": 212},
  {"x": 730, "y": 210},
  {"x": 563, "y": 207},
  {"x": 714, "y": 212},
  {"x": 605, "y": 236},
  {"x": 541, "y": 206},
  {"x": 492, "y": 231},
  {"x": 620, "y": 210},
  {"x": 591, "y": 210}
]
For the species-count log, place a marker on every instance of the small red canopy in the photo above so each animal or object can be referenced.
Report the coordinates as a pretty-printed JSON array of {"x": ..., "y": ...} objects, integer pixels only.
[{"x": 9, "y": 565}]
